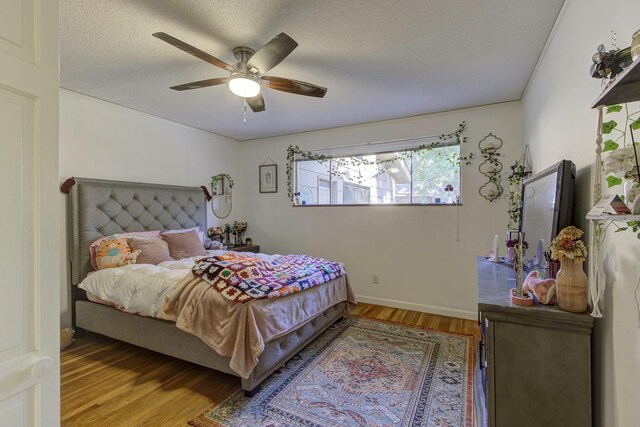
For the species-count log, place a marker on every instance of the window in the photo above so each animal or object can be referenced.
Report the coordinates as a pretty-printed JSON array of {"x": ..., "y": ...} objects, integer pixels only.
[
  {"x": 356, "y": 194},
  {"x": 401, "y": 172}
]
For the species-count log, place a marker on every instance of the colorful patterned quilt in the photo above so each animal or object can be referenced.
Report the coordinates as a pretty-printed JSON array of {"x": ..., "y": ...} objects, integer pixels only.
[{"x": 245, "y": 278}]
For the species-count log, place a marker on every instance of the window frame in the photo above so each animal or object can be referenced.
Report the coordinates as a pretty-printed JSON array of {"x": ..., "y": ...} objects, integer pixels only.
[{"x": 331, "y": 178}]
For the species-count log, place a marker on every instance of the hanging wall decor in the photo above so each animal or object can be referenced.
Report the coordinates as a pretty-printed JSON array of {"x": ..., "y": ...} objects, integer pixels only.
[{"x": 491, "y": 167}]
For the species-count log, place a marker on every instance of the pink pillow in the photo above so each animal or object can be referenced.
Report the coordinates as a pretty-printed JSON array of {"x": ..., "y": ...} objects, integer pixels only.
[
  {"x": 184, "y": 230},
  {"x": 94, "y": 246},
  {"x": 152, "y": 250},
  {"x": 184, "y": 245}
]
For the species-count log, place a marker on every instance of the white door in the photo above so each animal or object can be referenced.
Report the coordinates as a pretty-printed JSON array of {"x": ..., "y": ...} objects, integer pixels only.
[{"x": 29, "y": 214}]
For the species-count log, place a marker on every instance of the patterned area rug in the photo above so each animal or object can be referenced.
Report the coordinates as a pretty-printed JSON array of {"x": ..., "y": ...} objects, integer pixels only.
[{"x": 362, "y": 372}]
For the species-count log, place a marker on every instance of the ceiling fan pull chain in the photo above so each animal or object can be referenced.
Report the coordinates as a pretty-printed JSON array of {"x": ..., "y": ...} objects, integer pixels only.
[{"x": 244, "y": 118}]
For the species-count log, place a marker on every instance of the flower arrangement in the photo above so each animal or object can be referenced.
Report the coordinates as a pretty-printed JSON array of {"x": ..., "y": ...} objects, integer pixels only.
[
  {"x": 511, "y": 243},
  {"x": 215, "y": 231},
  {"x": 238, "y": 230},
  {"x": 568, "y": 245},
  {"x": 239, "y": 227}
]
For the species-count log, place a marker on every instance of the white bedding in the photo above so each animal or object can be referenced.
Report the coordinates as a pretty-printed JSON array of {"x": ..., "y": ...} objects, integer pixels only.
[{"x": 140, "y": 288}]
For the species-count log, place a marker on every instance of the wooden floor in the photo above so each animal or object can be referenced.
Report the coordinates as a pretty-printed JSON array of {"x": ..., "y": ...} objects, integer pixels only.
[{"x": 105, "y": 382}]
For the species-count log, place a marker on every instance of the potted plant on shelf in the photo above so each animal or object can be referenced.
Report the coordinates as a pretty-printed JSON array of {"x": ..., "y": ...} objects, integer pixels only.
[{"x": 571, "y": 281}]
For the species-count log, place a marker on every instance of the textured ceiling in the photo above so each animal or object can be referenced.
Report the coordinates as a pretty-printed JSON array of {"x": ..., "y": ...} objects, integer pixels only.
[{"x": 380, "y": 59}]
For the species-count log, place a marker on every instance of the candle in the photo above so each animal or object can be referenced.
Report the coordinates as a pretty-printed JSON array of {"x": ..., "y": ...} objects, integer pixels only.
[{"x": 495, "y": 247}]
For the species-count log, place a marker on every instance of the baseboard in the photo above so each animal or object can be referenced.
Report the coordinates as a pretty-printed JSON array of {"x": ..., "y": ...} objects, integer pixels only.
[{"x": 432, "y": 309}]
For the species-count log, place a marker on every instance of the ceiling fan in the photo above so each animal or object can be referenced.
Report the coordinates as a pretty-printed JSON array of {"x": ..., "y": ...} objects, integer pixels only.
[{"x": 247, "y": 75}]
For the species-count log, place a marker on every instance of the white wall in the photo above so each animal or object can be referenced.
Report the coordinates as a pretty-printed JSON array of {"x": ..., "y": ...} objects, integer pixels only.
[
  {"x": 413, "y": 249},
  {"x": 558, "y": 123},
  {"x": 102, "y": 140}
]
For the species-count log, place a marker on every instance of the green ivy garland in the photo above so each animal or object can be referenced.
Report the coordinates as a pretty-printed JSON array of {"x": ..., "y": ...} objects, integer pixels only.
[
  {"x": 518, "y": 173},
  {"x": 220, "y": 178},
  {"x": 618, "y": 134},
  {"x": 382, "y": 164}
]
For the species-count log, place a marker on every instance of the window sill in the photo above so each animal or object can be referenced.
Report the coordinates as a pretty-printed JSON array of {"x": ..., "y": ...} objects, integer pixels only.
[{"x": 376, "y": 205}]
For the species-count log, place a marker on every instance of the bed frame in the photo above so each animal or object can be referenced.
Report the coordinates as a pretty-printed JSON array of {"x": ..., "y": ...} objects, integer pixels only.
[{"x": 98, "y": 208}]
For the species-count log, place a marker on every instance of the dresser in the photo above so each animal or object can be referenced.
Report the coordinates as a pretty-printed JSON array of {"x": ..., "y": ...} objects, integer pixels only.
[
  {"x": 533, "y": 363},
  {"x": 245, "y": 248}
]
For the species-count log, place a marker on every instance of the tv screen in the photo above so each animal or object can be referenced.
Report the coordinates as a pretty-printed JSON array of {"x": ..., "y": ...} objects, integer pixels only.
[{"x": 547, "y": 205}]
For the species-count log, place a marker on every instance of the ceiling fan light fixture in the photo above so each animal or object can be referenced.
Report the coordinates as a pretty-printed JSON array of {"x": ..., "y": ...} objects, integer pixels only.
[{"x": 244, "y": 85}]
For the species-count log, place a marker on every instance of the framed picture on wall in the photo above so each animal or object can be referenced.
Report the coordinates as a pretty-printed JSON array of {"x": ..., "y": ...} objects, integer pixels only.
[{"x": 268, "y": 178}]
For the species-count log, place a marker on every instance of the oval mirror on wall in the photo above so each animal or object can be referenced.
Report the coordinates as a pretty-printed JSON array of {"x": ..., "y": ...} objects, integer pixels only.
[{"x": 222, "y": 195}]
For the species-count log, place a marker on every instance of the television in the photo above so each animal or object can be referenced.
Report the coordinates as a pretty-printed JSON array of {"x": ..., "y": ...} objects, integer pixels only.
[{"x": 547, "y": 206}]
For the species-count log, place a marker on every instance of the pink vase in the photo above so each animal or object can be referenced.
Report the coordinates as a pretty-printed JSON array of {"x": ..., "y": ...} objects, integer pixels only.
[{"x": 511, "y": 254}]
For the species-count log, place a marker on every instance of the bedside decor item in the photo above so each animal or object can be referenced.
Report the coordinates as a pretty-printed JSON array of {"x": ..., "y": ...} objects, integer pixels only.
[
  {"x": 222, "y": 195},
  {"x": 216, "y": 233},
  {"x": 248, "y": 241},
  {"x": 239, "y": 228},
  {"x": 227, "y": 234},
  {"x": 572, "y": 284},
  {"x": 268, "y": 178},
  {"x": 491, "y": 167}
]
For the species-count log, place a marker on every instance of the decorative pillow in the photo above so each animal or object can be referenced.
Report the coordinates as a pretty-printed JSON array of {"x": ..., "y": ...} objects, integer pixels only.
[
  {"x": 184, "y": 245},
  {"x": 114, "y": 253},
  {"x": 94, "y": 246},
  {"x": 201, "y": 234},
  {"x": 152, "y": 250}
]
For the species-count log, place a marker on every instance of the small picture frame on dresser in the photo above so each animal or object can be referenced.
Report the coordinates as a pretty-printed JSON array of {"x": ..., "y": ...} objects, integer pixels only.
[{"x": 268, "y": 175}]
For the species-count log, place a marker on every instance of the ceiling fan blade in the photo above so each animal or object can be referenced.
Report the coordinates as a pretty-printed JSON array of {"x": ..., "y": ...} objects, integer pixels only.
[
  {"x": 201, "y": 83},
  {"x": 256, "y": 103},
  {"x": 193, "y": 51},
  {"x": 294, "y": 86},
  {"x": 272, "y": 53}
]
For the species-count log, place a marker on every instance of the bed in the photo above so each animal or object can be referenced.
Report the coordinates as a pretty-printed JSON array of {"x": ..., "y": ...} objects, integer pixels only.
[{"x": 99, "y": 208}]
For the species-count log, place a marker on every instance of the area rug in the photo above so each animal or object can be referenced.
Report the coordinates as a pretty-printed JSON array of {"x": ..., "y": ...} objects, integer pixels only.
[{"x": 362, "y": 372}]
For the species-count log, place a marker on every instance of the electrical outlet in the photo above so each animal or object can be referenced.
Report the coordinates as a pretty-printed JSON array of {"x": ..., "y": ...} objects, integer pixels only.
[{"x": 376, "y": 279}]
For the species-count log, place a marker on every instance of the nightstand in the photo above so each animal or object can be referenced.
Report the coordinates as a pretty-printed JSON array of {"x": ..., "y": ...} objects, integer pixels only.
[{"x": 245, "y": 248}]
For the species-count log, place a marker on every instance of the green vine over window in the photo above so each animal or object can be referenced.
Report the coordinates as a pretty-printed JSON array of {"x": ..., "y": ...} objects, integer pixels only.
[
  {"x": 381, "y": 164},
  {"x": 220, "y": 178}
]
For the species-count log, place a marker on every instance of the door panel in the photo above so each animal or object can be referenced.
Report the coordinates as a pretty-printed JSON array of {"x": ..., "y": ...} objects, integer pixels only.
[
  {"x": 16, "y": 210},
  {"x": 18, "y": 29},
  {"x": 29, "y": 214}
]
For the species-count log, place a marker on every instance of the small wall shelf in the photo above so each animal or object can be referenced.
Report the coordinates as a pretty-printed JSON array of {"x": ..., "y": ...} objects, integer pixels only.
[
  {"x": 626, "y": 87},
  {"x": 609, "y": 217}
]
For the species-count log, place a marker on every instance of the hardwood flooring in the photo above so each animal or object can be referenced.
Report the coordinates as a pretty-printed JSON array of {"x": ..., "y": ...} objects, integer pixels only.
[{"x": 105, "y": 382}]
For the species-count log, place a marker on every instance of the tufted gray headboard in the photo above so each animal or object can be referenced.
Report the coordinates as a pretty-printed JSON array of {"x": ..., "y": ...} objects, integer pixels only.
[{"x": 98, "y": 208}]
